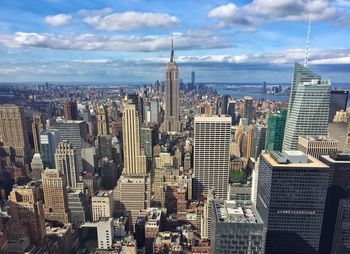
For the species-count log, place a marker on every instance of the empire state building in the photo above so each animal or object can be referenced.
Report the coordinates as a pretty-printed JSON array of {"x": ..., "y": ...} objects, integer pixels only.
[{"x": 171, "y": 96}]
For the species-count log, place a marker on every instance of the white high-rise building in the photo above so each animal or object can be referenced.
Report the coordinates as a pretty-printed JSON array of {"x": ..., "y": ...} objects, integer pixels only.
[
  {"x": 211, "y": 155},
  {"x": 66, "y": 163},
  {"x": 308, "y": 108}
]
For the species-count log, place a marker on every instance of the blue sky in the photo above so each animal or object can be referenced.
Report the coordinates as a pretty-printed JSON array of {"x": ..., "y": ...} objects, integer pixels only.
[{"x": 129, "y": 41}]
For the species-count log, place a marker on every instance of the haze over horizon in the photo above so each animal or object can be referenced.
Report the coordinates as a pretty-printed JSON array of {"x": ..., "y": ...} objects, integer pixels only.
[{"x": 224, "y": 41}]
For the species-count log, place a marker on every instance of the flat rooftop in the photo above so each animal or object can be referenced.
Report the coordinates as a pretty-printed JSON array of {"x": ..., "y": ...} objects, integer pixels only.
[
  {"x": 284, "y": 162},
  {"x": 214, "y": 118},
  {"x": 231, "y": 212},
  {"x": 318, "y": 138}
]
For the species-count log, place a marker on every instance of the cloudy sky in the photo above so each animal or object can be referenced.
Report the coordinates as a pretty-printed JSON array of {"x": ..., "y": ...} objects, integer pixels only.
[{"x": 129, "y": 41}]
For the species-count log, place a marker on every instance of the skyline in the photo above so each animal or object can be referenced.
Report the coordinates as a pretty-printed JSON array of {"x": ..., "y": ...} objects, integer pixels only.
[{"x": 130, "y": 42}]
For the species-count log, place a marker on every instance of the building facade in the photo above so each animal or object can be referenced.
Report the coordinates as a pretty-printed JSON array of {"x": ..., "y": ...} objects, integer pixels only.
[
  {"x": 55, "y": 196},
  {"x": 308, "y": 107},
  {"x": 13, "y": 133},
  {"x": 211, "y": 155},
  {"x": 317, "y": 146},
  {"x": 236, "y": 228},
  {"x": 275, "y": 130},
  {"x": 291, "y": 197}
]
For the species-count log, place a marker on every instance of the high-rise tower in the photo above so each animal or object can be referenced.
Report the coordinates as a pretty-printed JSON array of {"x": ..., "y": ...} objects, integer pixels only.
[
  {"x": 134, "y": 162},
  {"x": 102, "y": 120},
  {"x": 37, "y": 128},
  {"x": 55, "y": 196},
  {"x": 13, "y": 133},
  {"x": 307, "y": 112},
  {"x": 70, "y": 110},
  {"x": 171, "y": 95},
  {"x": 248, "y": 109},
  {"x": 27, "y": 212},
  {"x": 66, "y": 163},
  {"x": 211, "y": 154},
  {"x": 308, "y": 106},
  {"x": 291, "y": 197}
]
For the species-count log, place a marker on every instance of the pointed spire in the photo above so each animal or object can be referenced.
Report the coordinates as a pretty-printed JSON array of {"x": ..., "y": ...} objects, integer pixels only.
[
  {"x": 307, "y": 43},
  {"x": 172, "y": 49}
]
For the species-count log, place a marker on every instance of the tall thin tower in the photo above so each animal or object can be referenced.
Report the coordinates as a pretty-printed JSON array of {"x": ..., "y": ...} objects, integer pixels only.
[
  {"x": 171, "y": 96},
  {"x": 134, "y": 162},
  {"x": 308, "y": 104}
]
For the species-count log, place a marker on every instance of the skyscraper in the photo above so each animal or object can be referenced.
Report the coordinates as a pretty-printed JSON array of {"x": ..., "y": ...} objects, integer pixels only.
[
  {"x": 171, "y": 95},
  {"x": 70, "y": 110},
  {"x": 338, "y": 102},
  {"x": 248, "y": 109},
  {"x": 258, "y": 140},
  {"x": 49, "y": 140},
  {"x": 291, "y": 197},
  {"x": 134, "y": 163},
  {"x": 37, "y": 167},
  {"x": 231, "y": 111},
  {"x": 317, "y": 146},
  {"x": 37, "y": 128},
  {"x": 55, "y": 196},
  {"x": 66, "y": 162},
  {"x": 27, "y": 212},
  {"x": 240, "y": 224},
  {"x": 102, "y": 120},
  {"x": 102, "y": 205},
  {"x": 275, "y": 130},
  {"x": 224, "y": 104},
  {"x": 193, "y": 79},
  {"x": 335, "y": 236},
  {"x": 211, "y": 154},
  {"x": 13, "y": 133},
  {"x": 74, "y": 132},
  {"x": 308, "y": 107},
  {"x": 154, "y": 111}
]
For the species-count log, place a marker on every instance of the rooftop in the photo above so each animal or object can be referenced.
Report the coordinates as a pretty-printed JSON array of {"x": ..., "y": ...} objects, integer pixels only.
[
  {"x": 213, "y": 118},
  {"x": 292, "y": 159},
  {"x": 318, "y": 138},
  {"x": 231, "y": 212}
]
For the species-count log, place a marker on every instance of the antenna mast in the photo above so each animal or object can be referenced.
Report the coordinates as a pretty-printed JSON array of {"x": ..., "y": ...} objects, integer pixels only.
[
  {"x": 307, "y": 43},
  {"x": 172, "y": 49}
]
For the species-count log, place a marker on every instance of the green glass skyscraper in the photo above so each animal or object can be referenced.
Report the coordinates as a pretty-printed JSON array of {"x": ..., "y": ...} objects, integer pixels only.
[{"x": 275, "y": 130}]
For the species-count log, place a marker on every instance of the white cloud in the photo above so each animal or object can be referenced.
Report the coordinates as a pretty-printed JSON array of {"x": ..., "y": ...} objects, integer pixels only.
[
  {"x": 228, "y": 13},
  {"x": 131, "y": 20},
  {"x": 58, "y": 20},
  {"x": 94, "y": 12},
  {"x": 93, "y": 61},
  {"x": 182, "y": 41},
  {"x": 333, "y": 56},
  {"x": 262, "y": 11}
]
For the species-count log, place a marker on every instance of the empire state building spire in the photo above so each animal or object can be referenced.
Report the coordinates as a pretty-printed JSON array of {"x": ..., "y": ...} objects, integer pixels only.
[{"x": 172, "y": 49}]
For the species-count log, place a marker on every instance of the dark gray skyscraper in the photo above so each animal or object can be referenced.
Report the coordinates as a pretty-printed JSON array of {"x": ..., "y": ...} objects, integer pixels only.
[
  {"x": 171, "y": 95},
  {"x": 224, "y": 104},
  {"x": 335, "y": 236},
  {"x": 193, "y": 78},
  {"x": 248, "y": 108},
  {"x": 74, "y": 132},
  {"x": 338, "y": 101},
  {"x": 292, "y": 190}
]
